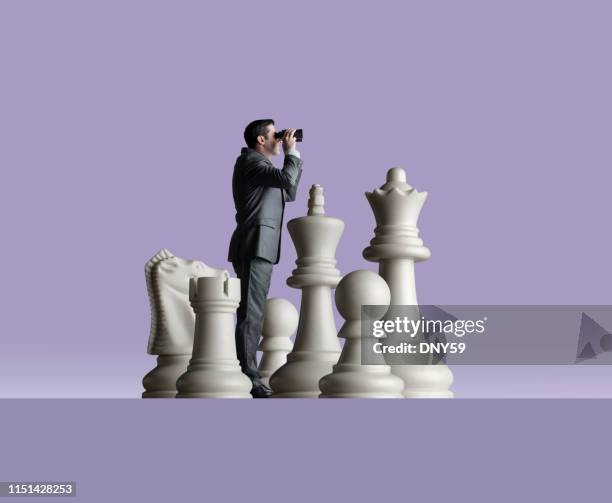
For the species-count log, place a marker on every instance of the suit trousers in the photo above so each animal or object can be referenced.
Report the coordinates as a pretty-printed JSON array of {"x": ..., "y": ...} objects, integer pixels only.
[{"x": 255, "y": 275}]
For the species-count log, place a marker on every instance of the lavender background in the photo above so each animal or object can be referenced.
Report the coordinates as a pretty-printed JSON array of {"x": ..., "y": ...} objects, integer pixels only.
[{"x": 120, "y": 123}]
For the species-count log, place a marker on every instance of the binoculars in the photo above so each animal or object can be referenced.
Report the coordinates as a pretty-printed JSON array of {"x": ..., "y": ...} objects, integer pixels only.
[{"x": 298, "y": 134}]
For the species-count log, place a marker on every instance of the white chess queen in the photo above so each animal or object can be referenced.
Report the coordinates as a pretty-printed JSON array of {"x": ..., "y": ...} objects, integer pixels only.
[{"x": 397, "y": 246}]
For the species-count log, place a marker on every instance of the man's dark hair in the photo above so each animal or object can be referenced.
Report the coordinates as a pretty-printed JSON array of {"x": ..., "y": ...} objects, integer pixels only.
[{"x": 255, "y": 129}]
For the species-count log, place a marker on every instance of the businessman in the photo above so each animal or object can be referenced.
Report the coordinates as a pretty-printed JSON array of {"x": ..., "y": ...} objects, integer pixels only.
[{"x": 260, "y": 191}]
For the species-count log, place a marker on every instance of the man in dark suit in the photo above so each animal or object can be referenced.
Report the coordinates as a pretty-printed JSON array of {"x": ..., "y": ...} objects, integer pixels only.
[{"x": 260, "y": 191}]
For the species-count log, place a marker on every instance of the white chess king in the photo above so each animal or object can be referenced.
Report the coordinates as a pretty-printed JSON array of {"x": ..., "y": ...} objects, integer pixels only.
[
  {"x": 396, "y": 247},
  {"x": 316, "y": 348}
]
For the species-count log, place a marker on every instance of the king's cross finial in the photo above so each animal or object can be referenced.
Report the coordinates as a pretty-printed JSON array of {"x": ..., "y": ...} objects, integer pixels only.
[{"x": 316, "y": 201}]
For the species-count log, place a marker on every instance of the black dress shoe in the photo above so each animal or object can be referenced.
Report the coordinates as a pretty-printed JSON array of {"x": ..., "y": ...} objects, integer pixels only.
[{"x": 261, "y": 391}]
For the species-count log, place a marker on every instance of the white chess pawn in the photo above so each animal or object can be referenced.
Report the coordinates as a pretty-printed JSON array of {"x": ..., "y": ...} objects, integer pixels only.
[
  {"x": 350, "y": 378},
  {"x": 396, "y": 246},
  {"x": 280, "y": 323},
  {"x": 213, "y": 370},
  {"x": 316, "y": 349}
]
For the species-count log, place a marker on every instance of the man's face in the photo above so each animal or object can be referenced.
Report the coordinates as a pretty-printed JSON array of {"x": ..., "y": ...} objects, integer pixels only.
[{"x": 270, "y": 145}]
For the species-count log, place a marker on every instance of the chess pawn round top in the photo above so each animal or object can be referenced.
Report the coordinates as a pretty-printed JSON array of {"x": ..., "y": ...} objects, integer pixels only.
[
  {"x": 350, "y": 377},
  {"x": 357, "y": 289},
  {"x": 280, "y": 319},
  {"x": 280, "y": 323},
  {"x": 361, "y": 288}
]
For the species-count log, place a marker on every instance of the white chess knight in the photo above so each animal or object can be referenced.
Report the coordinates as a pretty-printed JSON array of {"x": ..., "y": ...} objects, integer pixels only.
[
  {"x": 350, "y": 378},
  {"x": 280, "y": 323},
  {"x": 396, "y": 246},
  {"x": 172, "y": 319},
  {"x": 316, "y": 348},
  {"x": 214, "y": 371}
]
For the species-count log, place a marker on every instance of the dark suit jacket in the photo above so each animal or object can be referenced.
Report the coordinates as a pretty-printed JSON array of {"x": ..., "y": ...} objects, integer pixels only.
[{"x": 260, "y": 191}]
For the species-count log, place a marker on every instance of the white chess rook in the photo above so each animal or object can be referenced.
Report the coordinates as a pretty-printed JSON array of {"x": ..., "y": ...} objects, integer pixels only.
[
  {"x": 396, "y": 246},
  {"x": 316, "y": 349},
  {"x": 351, "y": 379},
  {"x": 280, "y": 323},
  {"x": 213, "y": 370}
]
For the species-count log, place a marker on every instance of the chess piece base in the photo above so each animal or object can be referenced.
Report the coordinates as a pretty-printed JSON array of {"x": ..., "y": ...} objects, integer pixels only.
[
  {"x": 299, "y": 377},
  {"x": 161, "y": 381},
  {"x": 361, "y": 381},
  {"x": 429, "y": 394},
  {"x": 425, "y": 381},
  {"x": 205, "y": 379}
]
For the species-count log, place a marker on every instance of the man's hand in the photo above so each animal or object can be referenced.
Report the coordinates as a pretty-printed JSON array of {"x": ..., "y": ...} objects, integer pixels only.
[{"x": 288, "y": 140}]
